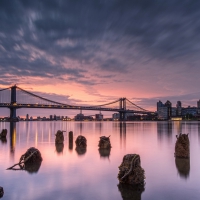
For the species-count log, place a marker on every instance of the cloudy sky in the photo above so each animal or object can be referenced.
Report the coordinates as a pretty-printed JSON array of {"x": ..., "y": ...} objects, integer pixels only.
[{"x": 89, "y": 52}]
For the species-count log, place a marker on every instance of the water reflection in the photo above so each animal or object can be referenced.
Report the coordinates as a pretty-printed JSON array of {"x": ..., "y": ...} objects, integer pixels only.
[
  {"x": 3, "y": 140},
  {"x": 129, "y": 192},
  {"x": 164, "y": 130},
  {"x": 80, "y": 151},
  {"x": 59, "y": 147},
  {"x": 121, "y": 128},
  {"x": 79, "y": 125},
  {"x": 33, "y": 167},
  {"x": 104, "y": 153},
  {"x": 99, "y": 126},
  {"x": 183, "y": 167},
  {"x": 198, "y": 131},
  {"x": 178, "y": 126},
  {"x": 12, "y": 137}
]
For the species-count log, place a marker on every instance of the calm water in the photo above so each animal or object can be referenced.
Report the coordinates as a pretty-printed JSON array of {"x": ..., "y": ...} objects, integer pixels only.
[{"x": 68, "y": 174}]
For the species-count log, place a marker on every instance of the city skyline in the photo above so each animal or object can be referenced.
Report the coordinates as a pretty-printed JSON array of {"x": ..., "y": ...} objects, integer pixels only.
[{"x": 95, "y": 52}]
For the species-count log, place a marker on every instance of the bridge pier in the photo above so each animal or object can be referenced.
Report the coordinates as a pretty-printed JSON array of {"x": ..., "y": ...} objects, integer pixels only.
[
  {"x": 122, "y": 107},
  {"x": 13, "y": 110},
  {"x": 13, "y": 114},
  {"x": 122, "y": 116}
]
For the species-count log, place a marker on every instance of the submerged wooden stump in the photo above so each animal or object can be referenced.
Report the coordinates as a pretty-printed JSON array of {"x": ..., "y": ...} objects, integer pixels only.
[
  {"x": 32, "y": 155},
  {"x": 130, "y": 171},
  {"x": 30, "y": 161},
  {"x": 33, "y": 161},
  {"x": 182, "y": 146},
  {"x": 70, "y": 140},
  {"x": 81, "y": 142},
  {"x": 104, "y": 142},
  {"x": 59, "y": 137},
  {"x": 3, "y": 133},
  {"x": 1, "y": 192}
]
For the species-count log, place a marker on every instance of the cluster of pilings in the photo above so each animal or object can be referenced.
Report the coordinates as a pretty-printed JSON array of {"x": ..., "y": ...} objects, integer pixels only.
[{"x": 131, "y": 175}]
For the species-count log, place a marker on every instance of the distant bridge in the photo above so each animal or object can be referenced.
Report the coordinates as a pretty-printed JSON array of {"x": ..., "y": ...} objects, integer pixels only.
[{"x": 15, "y": 97}]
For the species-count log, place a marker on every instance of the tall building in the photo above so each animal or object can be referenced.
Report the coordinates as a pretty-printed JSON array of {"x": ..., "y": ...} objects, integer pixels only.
[
  {"x": 27, "y": 117},
  {"x": 179, "y": 108},
  {"x": 54, "y": 117},
  {"x": 168, "y": 104},
  {"x": 159, "y": 104},
  {"x": 164, "y": 110},
  {"x": 178, "y": 104}
]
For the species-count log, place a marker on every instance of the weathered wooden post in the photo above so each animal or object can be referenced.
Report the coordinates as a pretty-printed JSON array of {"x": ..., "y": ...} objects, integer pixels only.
[
  {"x": 81, "y": 142},
  {"x": 81, "y": 145},
  {"x": 59, "y": 137},
  {"x": 182, "y": 146},
  {"x": 130, "y": 171},
  {"x": 104, "y": 142},
  {"x": 30, "y": 161},
  {"x": 70, "y": 140}
]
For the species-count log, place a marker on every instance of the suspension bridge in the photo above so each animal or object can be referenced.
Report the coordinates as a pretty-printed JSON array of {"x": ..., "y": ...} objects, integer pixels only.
[{"x": 15, "y": 98}]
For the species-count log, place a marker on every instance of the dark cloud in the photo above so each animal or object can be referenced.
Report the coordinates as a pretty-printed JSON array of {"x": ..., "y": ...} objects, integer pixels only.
[
  {"x": 95, "y": 42},
  {"x": 76, "y": 29}
]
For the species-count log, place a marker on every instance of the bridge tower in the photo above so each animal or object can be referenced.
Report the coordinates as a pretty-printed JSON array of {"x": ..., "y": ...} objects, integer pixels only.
[
  {"x": 13, "y": 109},
  {"x": 122, "y": 107}
]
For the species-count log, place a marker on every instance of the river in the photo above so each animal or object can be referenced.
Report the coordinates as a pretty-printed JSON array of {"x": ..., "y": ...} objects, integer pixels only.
[{"x": 66, "y": 173}]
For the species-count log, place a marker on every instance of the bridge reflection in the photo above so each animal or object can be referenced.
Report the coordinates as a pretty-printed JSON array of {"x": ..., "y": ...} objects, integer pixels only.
[
  {"x": 12, "y": 137},
  {"x": 120, "y": 127}
]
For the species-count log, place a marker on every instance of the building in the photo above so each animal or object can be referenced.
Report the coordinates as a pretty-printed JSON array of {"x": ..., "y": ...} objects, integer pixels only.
[
  {"x": 159, "y": 104},
  {"x": 178, "y": 108},
  {"x": 189, "y": 111},
  {"x": 27, "y": 117},
  {"x": 99, "y": 117},
  {"x": 164, "y": 110},
  {"x": 79, "y": 117},
  {"x": 163, "y": 113},
  {"x": 174, "y": 112},
  {"x": 54, "y": 117},
  {"x": 115, "y": 116},
  {"x": 168, "y": 104}
]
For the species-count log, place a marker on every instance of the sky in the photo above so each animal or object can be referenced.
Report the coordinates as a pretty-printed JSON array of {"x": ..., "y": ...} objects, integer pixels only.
[{"x": 93, "y": 52}]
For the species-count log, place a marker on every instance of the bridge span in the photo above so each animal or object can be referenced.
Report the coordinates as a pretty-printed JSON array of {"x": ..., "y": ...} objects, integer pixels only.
[{"x": 15, "y": 98}]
